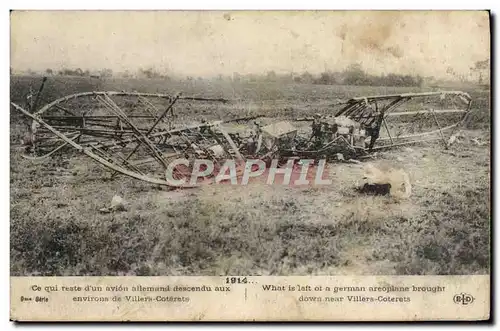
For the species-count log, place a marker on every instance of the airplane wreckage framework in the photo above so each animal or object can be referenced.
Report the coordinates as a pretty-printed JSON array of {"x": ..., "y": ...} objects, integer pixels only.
[{"x": 139, "y": 134}]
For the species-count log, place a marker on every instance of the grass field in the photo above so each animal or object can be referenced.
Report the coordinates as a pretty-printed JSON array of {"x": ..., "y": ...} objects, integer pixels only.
[{"x": 444, "y": 228}]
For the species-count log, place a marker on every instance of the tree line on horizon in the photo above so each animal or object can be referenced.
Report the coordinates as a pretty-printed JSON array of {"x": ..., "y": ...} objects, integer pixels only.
[{"x": 354, "y": 74}]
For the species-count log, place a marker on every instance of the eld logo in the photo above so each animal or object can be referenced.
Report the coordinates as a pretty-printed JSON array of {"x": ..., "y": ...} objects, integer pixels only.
[{"x": 463, "y": 299}]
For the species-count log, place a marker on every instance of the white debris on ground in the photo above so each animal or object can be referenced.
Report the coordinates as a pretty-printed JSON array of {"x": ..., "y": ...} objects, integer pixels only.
[
  {"x": 117, "y": 204},
  {"x": 452, "y": 140},
  {"x": 460, "y": 138},
  {"x": 477, "y": 142}
]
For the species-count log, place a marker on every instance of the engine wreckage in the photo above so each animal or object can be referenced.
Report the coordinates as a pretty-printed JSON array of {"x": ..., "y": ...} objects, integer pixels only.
[{"x": 139, "y": 134}]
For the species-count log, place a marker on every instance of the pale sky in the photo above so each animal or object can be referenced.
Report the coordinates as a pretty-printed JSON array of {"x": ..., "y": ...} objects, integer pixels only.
[{"x": 206, "y": 43}]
